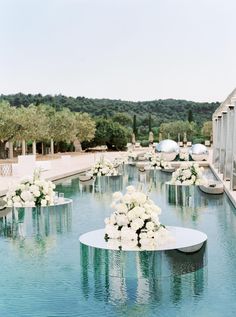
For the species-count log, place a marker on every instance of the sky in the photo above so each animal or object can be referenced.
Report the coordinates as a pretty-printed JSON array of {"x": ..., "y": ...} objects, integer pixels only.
[{"x": 119, "y": 49}]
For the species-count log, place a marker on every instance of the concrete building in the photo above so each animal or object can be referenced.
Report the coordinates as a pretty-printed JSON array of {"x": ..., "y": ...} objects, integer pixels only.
[{"x": 224, "y": 139}]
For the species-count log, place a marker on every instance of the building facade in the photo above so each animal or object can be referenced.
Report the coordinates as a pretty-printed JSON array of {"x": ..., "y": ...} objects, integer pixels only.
[{"x": 224, "y": 139}]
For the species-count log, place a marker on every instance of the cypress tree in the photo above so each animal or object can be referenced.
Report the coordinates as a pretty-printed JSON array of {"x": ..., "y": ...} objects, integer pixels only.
[
  {"x": 150, "y": 123},
  {"x": 190, "y": 116},
  {"x": 135, "y": 125}
]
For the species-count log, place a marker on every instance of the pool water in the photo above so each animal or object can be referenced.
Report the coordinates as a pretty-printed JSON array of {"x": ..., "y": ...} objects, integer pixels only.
[{"x": 45, "y": 272}]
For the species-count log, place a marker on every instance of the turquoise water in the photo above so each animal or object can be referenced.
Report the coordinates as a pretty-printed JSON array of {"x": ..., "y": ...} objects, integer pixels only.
[{"x": 45, "y": 272}]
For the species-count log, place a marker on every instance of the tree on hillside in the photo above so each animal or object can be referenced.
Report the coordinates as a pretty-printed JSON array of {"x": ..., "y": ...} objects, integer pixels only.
[
  {"x": 149, "y": 122},
  {"x": 207, "y": 130},
  {"x": 123, "y": 119},
  {"x": 190, "y": 116},
  {"x": 175, "y": 127},
  {"x": 110, "y": 133},
  {"x": 135, "y": 129}
]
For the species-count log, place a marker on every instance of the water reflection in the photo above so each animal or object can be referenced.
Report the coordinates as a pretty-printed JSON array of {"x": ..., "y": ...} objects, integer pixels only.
[
  {"x": 141, "y": 276},
  {"x": 189, "y": 196},
  {"x": 35, "y": 228}
]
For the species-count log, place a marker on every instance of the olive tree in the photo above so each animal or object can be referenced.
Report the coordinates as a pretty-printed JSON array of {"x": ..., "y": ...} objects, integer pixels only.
[{"x": 9, "y": 126}]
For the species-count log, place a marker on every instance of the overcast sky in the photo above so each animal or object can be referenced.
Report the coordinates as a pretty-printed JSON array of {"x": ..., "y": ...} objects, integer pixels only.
[{"x": 121, "y": 49}]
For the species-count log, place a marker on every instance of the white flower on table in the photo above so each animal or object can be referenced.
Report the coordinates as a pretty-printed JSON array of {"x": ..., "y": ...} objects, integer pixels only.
[
  {"x": 188, "y": 174},
  {"x": 136, "y": 219}
]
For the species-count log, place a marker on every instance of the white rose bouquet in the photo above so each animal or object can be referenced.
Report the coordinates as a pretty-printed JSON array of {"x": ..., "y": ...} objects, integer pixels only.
[
  {"x": 131, "y": 155},
  {"x": 188, "y": 175},
  {"x": 135, "y": 222},
  {"x": 158, "y": 163},
  {"x": 31, "y": 192},
  {"x": 184, "y": 156},
  {"x": 103, "y": 168},
  {"x": 149, "y": 155},
  {"x": 120, "y": 161}
]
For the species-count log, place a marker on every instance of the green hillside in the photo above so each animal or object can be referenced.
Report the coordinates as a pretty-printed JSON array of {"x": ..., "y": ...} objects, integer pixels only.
[{"x": 161, "y": 110}]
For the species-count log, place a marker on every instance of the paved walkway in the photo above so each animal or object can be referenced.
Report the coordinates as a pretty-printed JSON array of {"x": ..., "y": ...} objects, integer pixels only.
[{"x": 60, "y": 169}]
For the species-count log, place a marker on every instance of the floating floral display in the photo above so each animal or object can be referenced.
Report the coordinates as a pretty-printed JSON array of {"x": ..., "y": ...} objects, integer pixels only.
[{"x": 135, "y": 222}]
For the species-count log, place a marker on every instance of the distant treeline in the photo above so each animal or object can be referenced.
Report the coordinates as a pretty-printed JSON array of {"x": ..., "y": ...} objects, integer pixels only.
[{"x": 161, "y": 110}]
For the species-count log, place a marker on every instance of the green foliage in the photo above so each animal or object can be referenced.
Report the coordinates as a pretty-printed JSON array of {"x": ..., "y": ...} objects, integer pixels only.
[
  {"x": 161, "y": 110},
  {"x": 9, "y": 125},
  {"x": 207, "y": 129},
  {"x": 149, "y": 123},
  {"x": 122, "y": 118},
  {"x": 85, "y": 127},
  {"x": 175, "y": 127},
  {"x": 37, "y": 117},
  {"x": 190, "y": 116},
  {"x": 110, "y": 133},
  {"x": 144, "y": 143},
  {"x": 135, "y": 130}
]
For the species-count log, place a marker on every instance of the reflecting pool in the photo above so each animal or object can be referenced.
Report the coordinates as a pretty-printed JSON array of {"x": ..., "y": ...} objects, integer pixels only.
[{"x": 45, "y": 272}]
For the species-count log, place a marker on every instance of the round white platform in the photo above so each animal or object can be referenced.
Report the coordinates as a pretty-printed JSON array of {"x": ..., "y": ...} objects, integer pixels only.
[
  {"x": 180, "y": 185},
  {"x": 215, "y": 189},
  {"x": 168, "y": 170},
  {"x": 185, "y": 240},
  {"x": 86, "y": 178},
  {"x": 66, "y": 201}
]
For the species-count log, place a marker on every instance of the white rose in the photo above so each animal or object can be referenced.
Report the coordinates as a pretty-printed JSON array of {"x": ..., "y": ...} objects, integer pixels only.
[
  {"x": 121, "y": 208},
  {"x": 128, "y": 234},
  {"x": 150, "y": 234},
  {"x": 127, "y": 199},
  {"x": 147, "y": 242},
  {"x": 130, "y": 189},
  {"x": 112, "y": 219},
  {"x": 43, "y": 202},
  {"x": 150, "y": 225},
  {"x": 145, "y": 216},
  {"x": 132, "y": 214},
  {"x": 112, "y": 231},
  {"x": 138, "y": 211},
  {"x": 137, "y": 224},
  {"x": 16, "y": 199},
  {"x": 36, "y": 193},
  {"x": 138, "y": 198},
  {"x": 122, "y": 220}
]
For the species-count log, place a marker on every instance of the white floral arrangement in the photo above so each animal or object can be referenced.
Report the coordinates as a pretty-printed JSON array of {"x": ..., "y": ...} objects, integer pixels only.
[
  {"x": 103, "y": 167},
  {"x": 158, "y": 163},
  {"x": 149, "y": 155},
  {"x": 135, "y": 222},
  {"x": 131, "y": 155},
  {"x": 31, "y": 192},
  {"x": 188, "y": 175},
  {"x": 120, "y": 160},
  {"x": 184, "y": 156}
]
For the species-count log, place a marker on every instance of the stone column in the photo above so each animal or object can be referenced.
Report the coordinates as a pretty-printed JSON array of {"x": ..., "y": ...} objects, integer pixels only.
[
  {"x": 223, "y": 141},
  {"x": 229, "y": 143},
  {"x": 233, "y": 164},
  {"x": 214, "y": 127},
  {"x": 218, "y": 134},
  {"x": 34, "y": 147}
]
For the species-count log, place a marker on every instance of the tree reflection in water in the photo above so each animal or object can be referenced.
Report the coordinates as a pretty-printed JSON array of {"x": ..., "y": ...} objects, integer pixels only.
[
  {"x": 141, "y": 277},
  {"x": 35, "y": 230}
]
